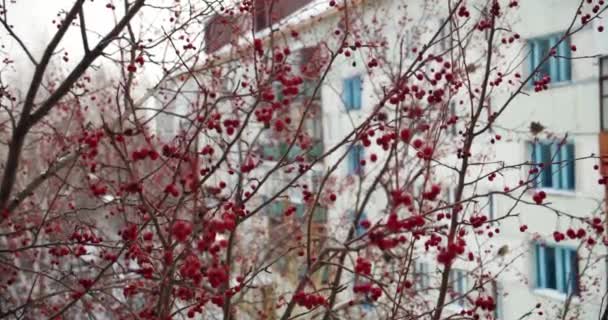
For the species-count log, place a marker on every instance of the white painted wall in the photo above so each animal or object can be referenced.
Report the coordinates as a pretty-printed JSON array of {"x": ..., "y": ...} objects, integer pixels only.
[{"x": 571, "y": 108}]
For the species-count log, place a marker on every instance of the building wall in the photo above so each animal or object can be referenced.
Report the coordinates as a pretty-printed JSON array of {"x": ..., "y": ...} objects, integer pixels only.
[{"x": 571, "y": 108}]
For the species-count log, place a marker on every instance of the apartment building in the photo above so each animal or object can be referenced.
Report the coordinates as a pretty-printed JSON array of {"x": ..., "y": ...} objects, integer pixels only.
[
  {"x": 569, "y": 123},
  {"x": 570, "y": 110}
]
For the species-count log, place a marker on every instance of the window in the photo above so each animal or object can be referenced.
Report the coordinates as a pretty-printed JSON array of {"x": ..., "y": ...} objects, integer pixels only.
[
  {"x": 319, "y": 214},
  {"x": 173, "y": 118},
  {"x": 604, "y": 92},
  {"x": 450, "y": 194},
  {"x": 421, "y": 275},
  {"x": 351, "y": 93},
  {"x": 325, "y": 274},
  {"x": 300, "y": 210},
  {"x": 497, "y": 294},
  {"x": 408, "y": 42},
  {"x": 355, "y": 155},
  {"x": 557, "y": 67},
  {"x": 314, "y": 129},
  {"x": 170, "y": 120},
  {"x": 261, "y": 16},
  {"x": 453, "y": 116},
  {"x": 490, "y": 207},
  {"x": 460, "y": 286},
  {"x": 444, "y": 35},
  {"x": 556, "y": 268},
  {"x": 558, "y": 164},
  {"x": 276, "y": 210},
  {"x": 308, "y": 90},
  {"x": 275, "y": 146}
]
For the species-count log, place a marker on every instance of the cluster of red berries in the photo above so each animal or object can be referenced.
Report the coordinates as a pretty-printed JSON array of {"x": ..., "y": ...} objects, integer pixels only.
[
  {"x": 191, "y": 269},
  {"x": 217, "y": 275},
  {"x": 393, "y": 224},
  {"x": 447, "y": 255},
  {"x": 98, "y": 190},
  {"x": 596, "y": 224},
  {"x": 539, "y": 196},
  {"x": 372, "y": 63},
  {"x": 226, "y": 224},
  {"x": 265, "y": 114},
  {"x": 208, "y": 239},
  {"x": 133, "y": 187},
  {"x": 308, "y": 300},
  {"x": 131, "y": 289},
  {"x": 213, "y": 122},
  {"x": 184, "y": 293},
  {"x": 368, "y": 289},
  {"x": 129, "y": 233},
  {"x": 91, "y": 139},
  {"x": 542, "y": 84},
  {"x": 172, "y": 190},
  {"x": 578, "y": 234},
  {"x": 363, "y": 266},
  {"x": 248, "y": 165},
  {"x": 207, "y": 150},
  {"x": 59, "y": 251},
  {"x": 231, "y": 125},
  {"x": 86, "y": 283},
  {"x": 85, "y": 237},
  {"x": 144, "y": 153},
  {"x": 400, "y": 197},
  {"x": 416, "y": 221},
  {"x": 433, "y": 193},
  {"x": 258, "y": 46},
  {"x": 486, "y": 303},
  {"x": 383, "y": 243},
  {"x": 463, "y": 12},
  {"x": 181, "y": 230},
  {"x": 558, "y": 236}
]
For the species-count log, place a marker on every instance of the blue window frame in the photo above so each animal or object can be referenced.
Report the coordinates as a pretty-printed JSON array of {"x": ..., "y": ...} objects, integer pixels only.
[
  {"x": 421, "y": 275},
  {"x": 497, "y": 294},
  {"x": 355, "y": 155},
  {"x": 558, "y": 164},
  {"x": 556, "y": 268},
  {"x": 490, "y": 207},
  {"x": 351, "y": 93},
  {"x": 319, "y": 214},
  {"x": 275, "y": 209},
  {"x": 325, "y": 273},
  {"x": 557, "y": 67},
  {"x": 460, "y": 285},
  {"x": 300, "y": 210},
  {"x": 368, "y": 305}
]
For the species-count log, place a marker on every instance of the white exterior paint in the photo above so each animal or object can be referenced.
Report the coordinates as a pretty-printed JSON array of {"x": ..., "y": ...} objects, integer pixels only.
[{"x": 571, "y": 108}]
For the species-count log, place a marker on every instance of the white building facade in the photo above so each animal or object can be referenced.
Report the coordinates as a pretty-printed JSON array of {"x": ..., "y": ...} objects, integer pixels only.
[{"x": 536, "y": 274}]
